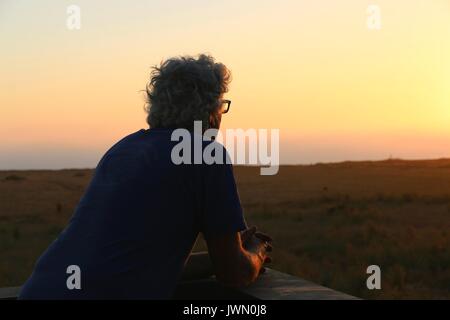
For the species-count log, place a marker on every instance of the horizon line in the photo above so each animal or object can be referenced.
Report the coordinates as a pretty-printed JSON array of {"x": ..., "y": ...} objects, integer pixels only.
[{"x": 258, "y": 165}]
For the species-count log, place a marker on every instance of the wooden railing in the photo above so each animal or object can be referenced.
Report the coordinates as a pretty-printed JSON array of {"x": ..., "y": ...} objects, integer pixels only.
[{"x": 272, "y": 285}]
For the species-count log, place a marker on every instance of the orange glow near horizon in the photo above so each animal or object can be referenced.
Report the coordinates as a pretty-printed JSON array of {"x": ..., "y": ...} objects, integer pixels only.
[{"x": 335, "y": 89}]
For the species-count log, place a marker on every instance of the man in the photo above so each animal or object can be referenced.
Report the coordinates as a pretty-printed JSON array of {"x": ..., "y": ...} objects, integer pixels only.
[{"x": 135, "y": 226}]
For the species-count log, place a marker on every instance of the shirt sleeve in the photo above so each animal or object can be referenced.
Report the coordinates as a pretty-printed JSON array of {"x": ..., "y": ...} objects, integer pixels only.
[{"x": 222, "y": 212}]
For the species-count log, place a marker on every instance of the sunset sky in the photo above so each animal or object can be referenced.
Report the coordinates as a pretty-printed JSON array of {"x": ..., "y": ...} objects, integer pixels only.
[{"x": 313, "y": 69}]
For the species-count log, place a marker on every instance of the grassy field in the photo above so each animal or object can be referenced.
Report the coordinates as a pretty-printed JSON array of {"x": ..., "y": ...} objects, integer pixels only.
[{"x": 329, "y": 222}]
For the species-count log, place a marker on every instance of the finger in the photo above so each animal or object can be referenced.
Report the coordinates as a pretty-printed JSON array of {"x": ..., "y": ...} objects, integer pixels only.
[
  {"x": 248, "y": 233},
  {"x": 244, "y": 236},
  {"x": 252, "y": 229},
  {"x": 263, "y": 236}
]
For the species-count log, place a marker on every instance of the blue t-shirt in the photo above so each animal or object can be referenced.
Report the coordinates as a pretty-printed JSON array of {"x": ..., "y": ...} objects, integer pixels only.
[{"x": 137, "y": 222}]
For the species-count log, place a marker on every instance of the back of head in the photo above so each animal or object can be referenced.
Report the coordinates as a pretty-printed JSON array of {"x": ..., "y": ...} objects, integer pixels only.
[{"x": 185, "y": 89}]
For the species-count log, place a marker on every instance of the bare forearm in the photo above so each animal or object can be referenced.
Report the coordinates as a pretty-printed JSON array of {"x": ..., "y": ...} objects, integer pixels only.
[
  {"x": 242, "y": 271},
  {"x": 252, "y": 267},
  {"x": 237, "y": 264},
  {"x": 255, "y": 263}
]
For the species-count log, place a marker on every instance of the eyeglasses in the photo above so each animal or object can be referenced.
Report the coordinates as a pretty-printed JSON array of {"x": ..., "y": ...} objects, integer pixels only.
[{"x": 225, "y": 106}]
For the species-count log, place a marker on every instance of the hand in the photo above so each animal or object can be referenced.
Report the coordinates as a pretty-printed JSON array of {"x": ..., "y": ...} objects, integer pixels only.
[
  {"x": 258, "y": 243},
  {"x": 247, "y": 234}
]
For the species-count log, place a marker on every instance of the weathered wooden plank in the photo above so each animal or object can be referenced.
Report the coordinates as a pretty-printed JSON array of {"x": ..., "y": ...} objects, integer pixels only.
[
  {"x": 9, "y": 293},
  {"x": 272, "y": 285},
  {"x": 275, "y": 285}
]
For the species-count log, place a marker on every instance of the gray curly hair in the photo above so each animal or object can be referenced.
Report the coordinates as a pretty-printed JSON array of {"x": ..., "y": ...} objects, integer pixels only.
[{"x": 185, "y": 89}]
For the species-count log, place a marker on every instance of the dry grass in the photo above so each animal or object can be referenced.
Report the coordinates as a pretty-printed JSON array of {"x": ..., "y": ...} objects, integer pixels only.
[{"x": 329, "y": 222}]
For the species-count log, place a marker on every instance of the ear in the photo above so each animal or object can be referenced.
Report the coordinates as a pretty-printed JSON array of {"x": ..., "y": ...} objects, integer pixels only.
[{"x": 212, "y": 121}]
